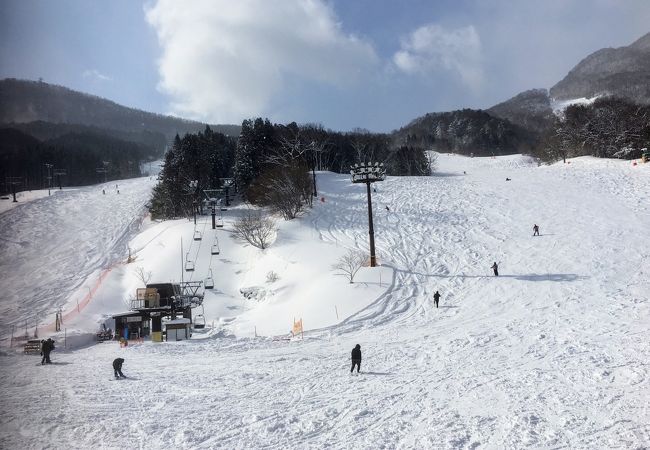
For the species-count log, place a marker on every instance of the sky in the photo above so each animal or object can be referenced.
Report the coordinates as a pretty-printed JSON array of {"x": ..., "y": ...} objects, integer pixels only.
[{"x": 373, "y": 64}]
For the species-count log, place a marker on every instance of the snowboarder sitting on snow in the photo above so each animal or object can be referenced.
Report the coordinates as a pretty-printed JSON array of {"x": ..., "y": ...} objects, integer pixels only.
[
  {"x": 495, "y": 267},
  {"x": 46, "y": 349},
  {"x": 356, "y": 358},
  {"x": 387, "y": 208},
  {"x": 535, "y": 230},
  {"x": 436, "y": 298},
  {"x": 117, "y": 368}
]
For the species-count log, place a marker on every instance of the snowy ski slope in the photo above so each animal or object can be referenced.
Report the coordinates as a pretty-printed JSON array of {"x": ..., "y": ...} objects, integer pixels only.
[
  {"x": 554, "y": 353},
  {"x": 54, "y": 246}
]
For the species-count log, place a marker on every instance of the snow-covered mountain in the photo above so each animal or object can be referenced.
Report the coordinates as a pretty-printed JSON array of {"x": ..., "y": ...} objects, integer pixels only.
[
  {"x": 621, "y": 72},
  {"x": 530, "y": 110},
  {"x": 553, "y": 353}
]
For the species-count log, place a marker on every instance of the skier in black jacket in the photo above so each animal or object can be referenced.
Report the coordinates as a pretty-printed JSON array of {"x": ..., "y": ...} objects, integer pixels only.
[
  {"x": 356, "y": 358},
  {"x": 46, "y": 349},
  {"x": 436, "y": 298},
  {"x": 117, "y": 368}
]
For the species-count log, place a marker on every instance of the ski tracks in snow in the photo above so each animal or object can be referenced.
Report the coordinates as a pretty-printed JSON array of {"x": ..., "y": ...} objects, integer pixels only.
[{"x": 48, "y": 269}]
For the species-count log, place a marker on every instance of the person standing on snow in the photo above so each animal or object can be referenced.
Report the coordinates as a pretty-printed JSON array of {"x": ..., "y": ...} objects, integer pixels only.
[
  {"x": 495, "y": 267},
  {"x": 356, "y": 358},
  {"x": 117, "y": 368},
  {"x": 46, "y": 349},
  {"x": 436, "y": 298},
  {"x": 535, "y": 230}
]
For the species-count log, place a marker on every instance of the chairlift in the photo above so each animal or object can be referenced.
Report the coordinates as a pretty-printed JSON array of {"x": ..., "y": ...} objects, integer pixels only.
[
  {"x": 199, "y": 321},
  {"x": 197, "y": 235},
  {"x": 215, "y": 248},
  {"x": 209, "y": 281},
  {"x": 219, "y": 223},
  {"x": 189, "y": 265}
]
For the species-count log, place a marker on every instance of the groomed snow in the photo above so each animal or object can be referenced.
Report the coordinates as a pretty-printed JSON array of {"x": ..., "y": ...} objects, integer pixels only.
[{"x": 554, "y": 353}]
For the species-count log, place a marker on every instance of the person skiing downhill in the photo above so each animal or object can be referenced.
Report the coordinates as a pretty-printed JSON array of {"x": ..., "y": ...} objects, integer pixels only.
[
  {"x": 117, "y": 368},
  {"x": 436, "y": 298},
  {"x": 356, "y": 358},
  {"x": 495, "y": 267},
  {"x": 535, "y": 230}
]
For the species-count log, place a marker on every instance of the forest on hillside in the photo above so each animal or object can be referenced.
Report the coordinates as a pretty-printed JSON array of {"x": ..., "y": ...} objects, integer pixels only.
[
  {"x": 610, "y": 127},
  {"x": 272, "y": 164},
  {"x": 468, "y": 131},
  {"x": 71, "y": 159}
]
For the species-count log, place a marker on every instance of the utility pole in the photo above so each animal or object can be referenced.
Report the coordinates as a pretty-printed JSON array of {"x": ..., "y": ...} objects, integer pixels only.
[
  {"x": 368, "y": 173},
  {"x": 49, "y": 178}
]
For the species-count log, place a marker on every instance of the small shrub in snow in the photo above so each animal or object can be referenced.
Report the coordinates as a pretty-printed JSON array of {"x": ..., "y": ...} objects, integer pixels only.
[
  {"x": 272, "y": 277},
  {"x": 253, "y": 293},
  {"x": 350, "y": 264}
]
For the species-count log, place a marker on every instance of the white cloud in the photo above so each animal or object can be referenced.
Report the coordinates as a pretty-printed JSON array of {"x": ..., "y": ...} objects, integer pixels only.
[
  {"x": 95, "y": 75},
  {"x": 430, "y": 49},
  {"x": 223, "y": 61}
]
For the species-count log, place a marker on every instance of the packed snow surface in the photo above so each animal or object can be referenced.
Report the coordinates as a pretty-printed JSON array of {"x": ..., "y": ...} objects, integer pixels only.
[{"x": 553, "y": 353}]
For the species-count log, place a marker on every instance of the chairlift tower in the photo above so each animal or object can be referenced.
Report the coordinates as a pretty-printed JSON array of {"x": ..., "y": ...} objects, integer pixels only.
[
  {"x": 214, "y": 197},
  {"x": 368, "y": 173},
  {"x": 226, "y": 184}
]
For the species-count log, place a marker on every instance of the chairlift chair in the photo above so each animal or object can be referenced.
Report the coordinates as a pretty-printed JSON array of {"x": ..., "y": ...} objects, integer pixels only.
[
  {"x": 189, "y": 265},
  {"x": 209, "y": 281},
  {"x": 215, "y": 249},
  {"x": 197, "y": 235},
  {"x": 199, "y": 321},
  {"x": 219, "y": 223}
]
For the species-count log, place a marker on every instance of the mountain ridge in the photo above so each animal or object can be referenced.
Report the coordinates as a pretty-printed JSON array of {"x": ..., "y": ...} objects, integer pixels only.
[
  {"x": 621, "y": 72},
  {"x": 24, "y": 101}
]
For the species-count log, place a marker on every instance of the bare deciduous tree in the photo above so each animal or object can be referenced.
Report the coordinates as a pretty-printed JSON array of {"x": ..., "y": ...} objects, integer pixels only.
[
  {"x": 255, "y": 228},
  {"x": 142, "y": 275},
  {"x": 350, "y": 263}
]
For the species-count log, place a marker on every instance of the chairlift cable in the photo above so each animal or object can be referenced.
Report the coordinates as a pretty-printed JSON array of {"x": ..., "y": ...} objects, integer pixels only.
[{"x": 198, "y": 249}]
